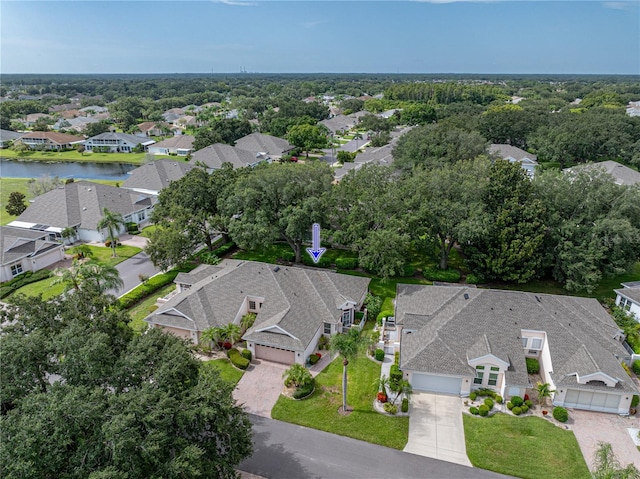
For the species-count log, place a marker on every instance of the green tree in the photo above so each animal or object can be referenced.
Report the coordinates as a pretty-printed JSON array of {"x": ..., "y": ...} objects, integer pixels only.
[
  {"x": 89, "y": 275},
  {"x": 212, "y": 335},
  {"x": 247, "y": 321},
  {"x": 607, "y": 465},
  {"x": 16, "y": 203},
  {"x": 68, "y": 234},
  {"x": 348, "y": 345},
  {"x": 230, "y": 333},
  {"x": 278, "y": 202},
  {"x": 113, "y": 223},
  {"x": 93, "y": 129},
  {"x": 307, "y": 137}
]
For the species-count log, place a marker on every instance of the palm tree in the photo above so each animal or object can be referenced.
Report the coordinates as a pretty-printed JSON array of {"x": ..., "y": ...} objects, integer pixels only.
[
  {"x": 82, "y": 251},
  {"x": 405, "y": 390},
  {"x": 247, "y": 321},
  {"x": 112, "y": 222},
  {"x": 90, "y": 275},
  {"x": 381, "y": 384},
  {"x": 68, "y": 234},
  {"x": 230, "y": 333},
  {"x": 297, "y": 375},
  {"x": 607, "y": 465},
  {"x": 348, "y": 345},
  {"x": 544, "y": 391},
  {"x": 213, "y": 335}
]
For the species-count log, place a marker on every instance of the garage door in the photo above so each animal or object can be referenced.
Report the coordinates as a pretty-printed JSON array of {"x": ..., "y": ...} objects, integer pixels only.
[
  {"x": 438, "y": 384},
  {"x": 592, "y": 401},
  {"x": 275, "y": 354}
]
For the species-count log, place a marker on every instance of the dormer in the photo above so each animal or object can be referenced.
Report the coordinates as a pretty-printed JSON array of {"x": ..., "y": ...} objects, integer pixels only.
[{"x": 597, "y": 377}]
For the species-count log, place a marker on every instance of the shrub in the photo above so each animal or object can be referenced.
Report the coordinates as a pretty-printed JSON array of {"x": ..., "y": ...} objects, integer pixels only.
[
  {"x": 323, "y": 262},
  {"x": 237, "y": 360},
  {"x": 108, "y": 243},
  {"x": 395, "y": 377},
  {"x": 304, "y": 391},
  {"x": 322, "y": 342},
  {"x": 447, "y": 276},
  {"x": 132, "y": 228},
  {"x": 498, "y": 399},
  {"x": 473, "y": 396},
  {"x": 390, "y": 408},
  {"x": 379, "y": 354},
  {"x": 623, "y": 364},
  {"x": 516, "y": 410},
  {"x": 472, "y": 279},
  {"x": 313, "y": 359},
  {"x": 524, "y": 408},
  {"x": 408, "y": 271},
  {"x": 489, "y": 403},
  {"x": 396, "y": 358},
  {"x": 517, "y": 401},
  {"x": 509, "y": 405},
  {"x": 149, "y": 287},
  {"x": 288, "y": 256},
  {"x": 405, "y": 405},
  {"x": 483, "y": 410},
  {"x": 22, "y": 280},
  {"x": 635, "y": 400},
  {"x": 152, "y": 308},
  {"x": 474, "y": 410},
  {"x": 533, "y": 365},
  {"x": 636, "y": 366},
  {"x": 225, "y": 248},
  {"x": 246, "y": 354},
  {"x": 346, "y": 263},
  {"x": 560, "y": 414},
  {"x": 528, "y": 403}
]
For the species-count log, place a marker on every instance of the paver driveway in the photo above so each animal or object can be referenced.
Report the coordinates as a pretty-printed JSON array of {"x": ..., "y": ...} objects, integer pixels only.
[
  {"x": 436, "y": 429},
  {"x": 260, "y": 386},
  {"x": 593, "y": 427}
]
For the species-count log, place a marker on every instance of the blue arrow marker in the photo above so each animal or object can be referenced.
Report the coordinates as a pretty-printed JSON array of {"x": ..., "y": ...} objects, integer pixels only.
[{"x": 316, "y": 251}]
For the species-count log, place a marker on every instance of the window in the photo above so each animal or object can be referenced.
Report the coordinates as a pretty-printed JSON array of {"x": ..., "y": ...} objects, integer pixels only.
[
  {"x": 493, "y": 379},
  {"x": 536, "y": 343},
  {"x": 16, "y": 269},
  {"x": 625, "y": 304},
  {"x": 346, "y": 317},
  {"x": 524, "y": 342},
  {"x": 327, "y": 328},
  {"x": 252, "y": 305},
  {"x": 479, "y": 375}
]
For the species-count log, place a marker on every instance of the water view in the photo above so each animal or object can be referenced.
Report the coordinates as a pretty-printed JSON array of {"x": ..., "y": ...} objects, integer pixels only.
[{"x": 10, "y": 168}]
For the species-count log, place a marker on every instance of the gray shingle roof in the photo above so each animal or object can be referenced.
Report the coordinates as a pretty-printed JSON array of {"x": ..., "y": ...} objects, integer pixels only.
[
  {"x": 297, "y": 301},
  {"x": 8, "y": 135},
  {"x": 580, "y": 333},
  {"x": 16, "y": 243},
  {"x": 197, "y": 275},
  {"x": 81, "y": 203},
  {"x": 630, "y": 292},
  {"x": 213, "y": 156},
  {"x": 259, "y": 143},
  {"x": 622, "y": 175},
  {"x": 175, "y": 142},
  {"x": 156, "y": 175},
  {"x": 508, "y": 151}
]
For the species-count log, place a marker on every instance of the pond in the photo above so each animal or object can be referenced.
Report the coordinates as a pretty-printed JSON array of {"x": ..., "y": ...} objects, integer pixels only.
[{"x": 10, "y": 168}]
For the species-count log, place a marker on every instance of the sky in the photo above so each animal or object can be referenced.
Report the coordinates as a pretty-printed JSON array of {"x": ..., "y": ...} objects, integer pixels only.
[{"x": 298, "y": 36}]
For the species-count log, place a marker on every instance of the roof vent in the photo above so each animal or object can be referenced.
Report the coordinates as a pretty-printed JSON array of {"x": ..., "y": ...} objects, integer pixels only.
[
  {"x": 466, "y": 296},
  {"x": 276, "y": 269}
]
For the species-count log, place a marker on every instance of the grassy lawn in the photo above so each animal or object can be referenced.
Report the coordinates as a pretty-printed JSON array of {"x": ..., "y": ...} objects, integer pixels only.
[
  {"x": 105, "y": 255},
  {"x": 147, "y": 231},
  {"x": 320, "y": 411},
  {"x": 135, "y": 158},
  {"x": 273, "y": 252},
  {"x": 227, "y": 371},
  {"x": 142, "y": 309},
  {"x": 528, "y": 447},
  {"x": 45, "y": 287}
]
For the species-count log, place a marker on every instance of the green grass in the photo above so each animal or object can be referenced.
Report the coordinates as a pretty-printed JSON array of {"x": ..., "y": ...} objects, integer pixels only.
[
  {"x": 135, "y": 158},
  {"x": 273, "y": 252},
  {"x": 45, "y": 287},
  {"x": 105, "y": 255},
  {"x": 146, "y": 232},
  {"x": 227, "y": 372},
  {"x": 141, "y": 310},
  {"x": 320, "y": 411},
  {"x": 528, "y": 447}
]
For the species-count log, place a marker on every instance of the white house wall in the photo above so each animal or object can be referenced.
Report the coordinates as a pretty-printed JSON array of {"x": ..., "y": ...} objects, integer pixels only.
[
  {"x": 635, "y": 308},
  {"x": 312, "y": 345},
  {"x": 45, "y": 259}
]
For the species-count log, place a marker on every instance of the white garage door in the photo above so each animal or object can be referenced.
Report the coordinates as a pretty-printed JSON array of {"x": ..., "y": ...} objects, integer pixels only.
[
  {"x": 438, "y": 384},
  {"x": 592, "y": 401},
  {"x": 275, "y": 354}
]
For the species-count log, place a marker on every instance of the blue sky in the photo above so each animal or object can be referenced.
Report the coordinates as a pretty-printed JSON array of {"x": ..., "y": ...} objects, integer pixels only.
[{"x": 437, "y": 36}]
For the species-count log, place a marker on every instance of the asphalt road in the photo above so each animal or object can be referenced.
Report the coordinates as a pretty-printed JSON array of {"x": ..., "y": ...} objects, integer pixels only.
[
  {"x": 131, "y": 268},
  {"x": 286, "y": 451}
]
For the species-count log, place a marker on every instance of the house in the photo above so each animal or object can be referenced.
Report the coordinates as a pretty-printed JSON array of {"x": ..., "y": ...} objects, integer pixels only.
[
  {"x": 628, "y": 298},
  {"x": 30, "y": 119},
  {"x": 79, "y": 124},
  {"x": 151, "y": 178},
  {"x": 7, "y": 137},
  {"x": 341, "y": 123},
  {"x": 633, "y": 108},
  {"x": 110, "y": 142},
  {"x": 50, "y": 140},
  {"x": 528, "y": 161},
  {"x": 456, "y": 339},
  {"x": 294, "y": 306},
  {"x": 622, "y": 175},
  {"x": 93, "y": 109},
  {"x": 80, "y": 206},
  {"x": 180, "y": 145},
  {"x": 265, "y": 144},
  {"x": 153, "y": 128},
  {"x": 213, "y": 156},
  {"x": 23, "y": 250}
]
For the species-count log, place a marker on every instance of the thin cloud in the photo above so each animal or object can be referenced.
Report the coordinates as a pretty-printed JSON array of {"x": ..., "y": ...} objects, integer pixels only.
[
  {"x": 619, "y": 5},
  {"x": 236, "y": 3}
]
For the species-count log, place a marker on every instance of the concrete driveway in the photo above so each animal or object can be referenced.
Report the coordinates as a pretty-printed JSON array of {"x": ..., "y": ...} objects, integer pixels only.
[
  {"x": 593, "y": 427},
  {"x": 260, "y": 387},
  {"x": 436, "y": 429}
]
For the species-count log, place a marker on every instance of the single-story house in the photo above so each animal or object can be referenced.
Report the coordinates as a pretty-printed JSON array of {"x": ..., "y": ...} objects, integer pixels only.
[
  {"x": 31, "y": 119},
  {"x": 23, "y": 250},
  {"x": 79, "y": 124},
  {"x": 264, "y": 144},
  {"x": 152, "y": 177},
  {"x": 454, "y": 340},
  {"x": 622, "y": 175},
  {"x": 50, "y": 140},
  {"x": 294, "y": 306},
  {"x": 153, "y": 128},
  {"x": 179, "y": 145},
  {"x": 628, "y": 298},
  {"x": 111, "y": 142},
  {"x": 528, "y": 161},
  {"x": 80, "y": 206},
  {"x": 7, "y": 137},
  {"x": 340, "y": 123},
  {"x": 213, "y": 156}
]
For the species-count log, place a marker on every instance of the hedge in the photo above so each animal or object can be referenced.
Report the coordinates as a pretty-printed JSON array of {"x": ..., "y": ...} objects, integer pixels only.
[
  {"x": 237, "y": 359},
  {"x": 635, "y": 400},
  {"x": 151, "y": 286},
  {"x": 322, "y": 262},
  {"x": 346, "y": 263},
  {"x": 395, "y": 378},
  {"x": 246, "y": 354},
  {"x": 533, "y": 365},
  {"x": 23, "y": 279},
  {"x": 636, "y": 366},
  {"x": 447, "y": 276}
]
